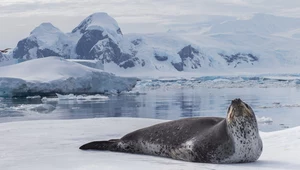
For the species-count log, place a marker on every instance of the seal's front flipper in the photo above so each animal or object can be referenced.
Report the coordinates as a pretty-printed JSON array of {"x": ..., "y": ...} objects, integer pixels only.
[{"x": 100, "y": 145}]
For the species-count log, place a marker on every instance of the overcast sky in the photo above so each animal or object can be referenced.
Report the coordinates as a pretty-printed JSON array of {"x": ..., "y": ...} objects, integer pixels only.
[{"x": 19, "y": 17}]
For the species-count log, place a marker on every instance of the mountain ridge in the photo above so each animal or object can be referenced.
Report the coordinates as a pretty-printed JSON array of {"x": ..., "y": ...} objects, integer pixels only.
[{"x": 100, "y": 37}]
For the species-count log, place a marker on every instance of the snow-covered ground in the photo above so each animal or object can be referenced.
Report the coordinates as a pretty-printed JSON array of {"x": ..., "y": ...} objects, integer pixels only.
[
  {"x": 50, "y": 75},
  {"x": 35, "y": 145}
]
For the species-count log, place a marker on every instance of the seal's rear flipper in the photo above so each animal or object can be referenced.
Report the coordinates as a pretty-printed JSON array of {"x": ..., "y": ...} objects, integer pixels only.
[{"x": 100, "y": 145}]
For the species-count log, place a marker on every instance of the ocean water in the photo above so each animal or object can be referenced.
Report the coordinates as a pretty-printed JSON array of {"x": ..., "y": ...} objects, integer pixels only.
[{"x": 276, "y": 108}]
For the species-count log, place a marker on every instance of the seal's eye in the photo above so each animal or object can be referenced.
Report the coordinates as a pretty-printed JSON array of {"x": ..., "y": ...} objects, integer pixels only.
[{"x": 247, "y": 105}]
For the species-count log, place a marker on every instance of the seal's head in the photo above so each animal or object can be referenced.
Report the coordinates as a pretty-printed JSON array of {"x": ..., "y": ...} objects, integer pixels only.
[
  {"x": 242, "y": 127},
  {"x": 239, "y": 109}
]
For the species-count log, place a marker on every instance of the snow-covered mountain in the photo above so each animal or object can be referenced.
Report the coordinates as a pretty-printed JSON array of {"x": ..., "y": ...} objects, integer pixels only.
[
  {"x": 45, "y": 40},
  {"x": 261, "y": 41}
]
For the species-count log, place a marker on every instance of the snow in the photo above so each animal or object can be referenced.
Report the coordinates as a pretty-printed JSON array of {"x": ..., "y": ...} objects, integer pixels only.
[
  {"x": 57, "y": 75},
  {"x": 103, "y": 22},
  {"x": 54, "y": 145},
  {"x": 47, "y": 33},
  {"x": 89, "y": 63},
  {"x": 147, "y": 46},
  {"x": 272, "y": 39},
  {"x": 81, "y": 97}
]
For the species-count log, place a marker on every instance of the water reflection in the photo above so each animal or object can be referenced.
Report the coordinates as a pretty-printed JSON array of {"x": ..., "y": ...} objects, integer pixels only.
[
  {"x": 116, "y": 106},
  {"x": 164, "y": 104}
]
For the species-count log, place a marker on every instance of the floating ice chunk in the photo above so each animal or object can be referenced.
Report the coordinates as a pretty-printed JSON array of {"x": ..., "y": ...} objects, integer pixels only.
[
  {"x": 278, "y": 105},
  {"x": 81, "y": 97},
  {"x": 291, "y": 105},
  {"x": 221, "y": 80},
  {"x": 33, "y": 97},
  {"x": 264, "y": 120},
  {"x": 40, "y": 108},
  {"x": 48, "y": 99}
]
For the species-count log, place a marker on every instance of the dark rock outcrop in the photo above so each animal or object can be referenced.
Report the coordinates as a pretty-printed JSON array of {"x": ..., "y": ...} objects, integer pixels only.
[
  {"x": 27, "y": 49},
  {"x": 46, "y": 53},
  {"x": 160, "y": 58},
  {"x": 87, "y": 41},
  {"x": 239, "y": 58},
  {"x": 107, "y": 51},
  {"x": 136, "y": 42},
  {"x": 178, "y": 66},
  {"x": 189, "y": 57},
  {"x": 23, "y": 47},
  {"x": 188, "y": 52}
]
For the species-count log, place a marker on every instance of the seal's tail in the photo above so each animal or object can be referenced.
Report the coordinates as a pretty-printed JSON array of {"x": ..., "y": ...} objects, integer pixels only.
[{"x": 100, "y": 145}]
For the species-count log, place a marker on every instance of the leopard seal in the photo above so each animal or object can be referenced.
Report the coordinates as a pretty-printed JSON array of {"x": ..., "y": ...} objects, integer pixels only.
[{"x": 234, "y": 139}]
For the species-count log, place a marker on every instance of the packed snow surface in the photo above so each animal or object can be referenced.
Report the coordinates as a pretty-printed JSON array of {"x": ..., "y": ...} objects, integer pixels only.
[
  {"x": 54, "y": 145},
  {"x": 52, "y": 75}
]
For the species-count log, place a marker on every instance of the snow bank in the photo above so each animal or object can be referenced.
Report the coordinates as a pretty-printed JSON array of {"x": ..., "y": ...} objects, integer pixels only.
[
  {"x": 50, "y": 75},
  {"x": 54, "y": 145}
]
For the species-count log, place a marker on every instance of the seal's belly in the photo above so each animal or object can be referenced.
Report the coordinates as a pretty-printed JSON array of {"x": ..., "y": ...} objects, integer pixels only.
[
  {"x": 246, "y": 150},
  {"x": 181, "y": 152}
]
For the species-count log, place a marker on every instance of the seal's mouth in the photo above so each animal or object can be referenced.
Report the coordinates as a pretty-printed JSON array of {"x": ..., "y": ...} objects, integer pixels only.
[{"x": 238, "y": 108}]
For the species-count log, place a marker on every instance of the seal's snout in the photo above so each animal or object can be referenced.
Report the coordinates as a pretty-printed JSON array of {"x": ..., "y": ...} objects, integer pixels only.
[
  {"x": 239, "y": 108},
  {"x": 236, "y": 101}
]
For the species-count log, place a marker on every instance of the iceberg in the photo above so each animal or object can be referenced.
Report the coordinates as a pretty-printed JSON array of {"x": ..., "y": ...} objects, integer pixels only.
[{"x": 51, "y": 75}]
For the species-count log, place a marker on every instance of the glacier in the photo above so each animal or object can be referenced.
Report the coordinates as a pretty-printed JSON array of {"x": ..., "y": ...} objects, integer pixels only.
[{"x": 51, "y": 75}]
